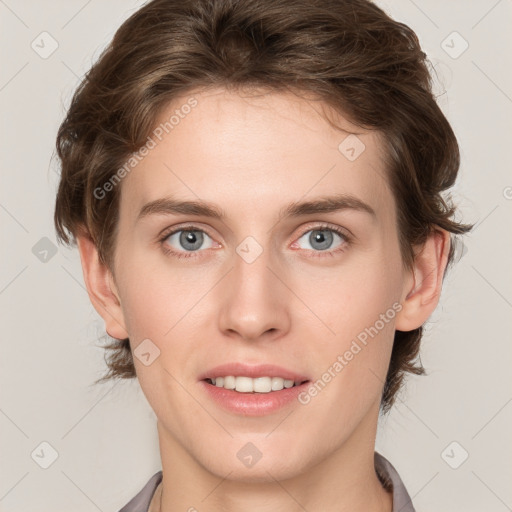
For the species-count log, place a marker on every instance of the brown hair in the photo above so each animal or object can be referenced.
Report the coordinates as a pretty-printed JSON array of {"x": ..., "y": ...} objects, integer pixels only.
[{"x": 347, "y": 53}]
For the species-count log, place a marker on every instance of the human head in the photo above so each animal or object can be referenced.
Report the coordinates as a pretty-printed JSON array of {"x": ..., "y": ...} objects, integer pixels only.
[{"x": 348, "y": 54}]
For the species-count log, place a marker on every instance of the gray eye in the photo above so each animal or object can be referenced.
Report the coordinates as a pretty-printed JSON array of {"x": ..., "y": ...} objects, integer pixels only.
[
  {"x": 189, "y": 240},
  {"x": 320, "y": 239}
]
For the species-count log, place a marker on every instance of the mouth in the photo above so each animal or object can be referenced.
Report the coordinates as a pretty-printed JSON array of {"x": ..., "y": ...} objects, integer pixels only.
[
  {"x": 253, "y": 390},
  {"x": 245, "y": 384},
  {"x": 248, "y": 390},
  {"x": 253, "y": 396}
]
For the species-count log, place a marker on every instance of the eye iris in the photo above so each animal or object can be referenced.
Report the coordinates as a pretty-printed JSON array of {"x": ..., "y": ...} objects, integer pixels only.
[
  {"x": 191, "y": 237},
  {"x": 323, "y": 237}
]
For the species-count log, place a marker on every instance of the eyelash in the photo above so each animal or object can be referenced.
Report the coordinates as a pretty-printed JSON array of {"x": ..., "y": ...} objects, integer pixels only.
[{"x": 317, "y": 254}]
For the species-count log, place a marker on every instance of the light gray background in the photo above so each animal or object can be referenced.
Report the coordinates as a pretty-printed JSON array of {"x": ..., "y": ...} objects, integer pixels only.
[{"x": 105, "y": 436}]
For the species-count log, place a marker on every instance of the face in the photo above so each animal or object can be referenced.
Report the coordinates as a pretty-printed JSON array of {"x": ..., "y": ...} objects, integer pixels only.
[{"x": 277, "y": 291}]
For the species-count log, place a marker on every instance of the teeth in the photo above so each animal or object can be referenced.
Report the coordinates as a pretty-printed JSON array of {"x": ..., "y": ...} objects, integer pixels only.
[{"x": 249, "y": 385}]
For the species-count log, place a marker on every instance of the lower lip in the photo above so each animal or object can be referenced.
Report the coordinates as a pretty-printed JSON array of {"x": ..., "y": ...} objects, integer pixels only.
[{"x": 253, "y": 404}]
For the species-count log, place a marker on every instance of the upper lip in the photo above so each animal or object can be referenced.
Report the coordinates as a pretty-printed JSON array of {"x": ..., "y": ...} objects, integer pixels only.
[{"x": 253, "y": 371}]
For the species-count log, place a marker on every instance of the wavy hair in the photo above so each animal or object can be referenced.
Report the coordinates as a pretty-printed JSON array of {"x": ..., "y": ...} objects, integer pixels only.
[{"x": 347, "y": 53}]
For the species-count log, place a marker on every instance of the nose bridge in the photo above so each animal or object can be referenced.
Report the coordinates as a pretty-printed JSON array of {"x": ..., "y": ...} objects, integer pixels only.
[{"x": 254, "y": 301}]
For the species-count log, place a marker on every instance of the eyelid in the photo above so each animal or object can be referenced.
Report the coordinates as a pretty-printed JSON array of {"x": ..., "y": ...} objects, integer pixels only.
[
  {"x": 347, "y": 239},
  {"x": 322, "y": 225},
  {"x": 167, "y": 232}
]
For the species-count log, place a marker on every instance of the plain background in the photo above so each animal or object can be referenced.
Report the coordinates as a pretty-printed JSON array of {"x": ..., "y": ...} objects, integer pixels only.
[{"x": 104, "y": 436}]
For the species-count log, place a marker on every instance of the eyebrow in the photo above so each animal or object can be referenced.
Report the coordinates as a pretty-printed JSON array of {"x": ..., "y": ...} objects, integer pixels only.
[{"x": 326, "y": 204}]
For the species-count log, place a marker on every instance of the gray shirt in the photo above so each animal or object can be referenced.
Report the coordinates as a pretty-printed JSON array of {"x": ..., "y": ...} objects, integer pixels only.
[{"x": 387, "y": 474}]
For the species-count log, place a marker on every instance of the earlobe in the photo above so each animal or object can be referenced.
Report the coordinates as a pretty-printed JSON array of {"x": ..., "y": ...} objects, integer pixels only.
[
  {"x": 423, "y": 284},
  {"x": 101, "y": 288}
]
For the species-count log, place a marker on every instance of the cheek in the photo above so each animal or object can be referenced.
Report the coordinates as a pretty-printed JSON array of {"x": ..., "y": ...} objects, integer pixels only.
[
  {"x": 153, "y": 310},
  {"x": 359, "y": 303},
  {"x": 151, "y": 297},
  {"x": 170, "y": 306},
  {"x": 351, "y": 365},
  {"x": 353, "y": 296}
]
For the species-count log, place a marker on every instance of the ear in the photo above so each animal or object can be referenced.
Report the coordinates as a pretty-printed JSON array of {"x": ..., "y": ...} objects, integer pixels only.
[
  {"x": 101, "y": 288},
  {"x": 423, "y": 285}
]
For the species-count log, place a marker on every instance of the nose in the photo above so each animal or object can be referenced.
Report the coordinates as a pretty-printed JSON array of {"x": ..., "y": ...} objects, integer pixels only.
[{"x": 254, "y": 300}]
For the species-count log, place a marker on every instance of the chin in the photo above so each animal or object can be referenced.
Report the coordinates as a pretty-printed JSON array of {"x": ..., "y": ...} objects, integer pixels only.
[{"x": 251, "y": 464}]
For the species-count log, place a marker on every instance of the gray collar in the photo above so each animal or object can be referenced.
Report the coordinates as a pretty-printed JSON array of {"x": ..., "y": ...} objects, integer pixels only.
[{"x": 392, "y": 482}]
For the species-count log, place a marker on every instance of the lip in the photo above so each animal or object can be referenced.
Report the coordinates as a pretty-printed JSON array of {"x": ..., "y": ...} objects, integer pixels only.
[
  {"x": 252, "y": 404},
  {"x": 253, "y": 371}
]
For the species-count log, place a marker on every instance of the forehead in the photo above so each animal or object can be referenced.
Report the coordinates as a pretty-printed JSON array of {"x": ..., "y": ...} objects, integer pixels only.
[{"x": 255, "y": 150}]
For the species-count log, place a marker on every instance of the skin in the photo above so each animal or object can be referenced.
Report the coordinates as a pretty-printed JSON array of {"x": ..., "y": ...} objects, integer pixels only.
[{"x": 294, "y": 306}]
